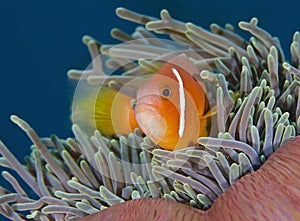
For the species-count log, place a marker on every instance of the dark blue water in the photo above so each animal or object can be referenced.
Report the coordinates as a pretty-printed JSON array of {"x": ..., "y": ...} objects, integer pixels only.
[{"x": 41, "y": 40}]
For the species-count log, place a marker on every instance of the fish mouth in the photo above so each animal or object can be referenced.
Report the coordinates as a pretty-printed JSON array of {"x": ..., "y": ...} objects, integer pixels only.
[
  {"x": 151, "y": 104},
  {"x": 145, "y": 107}
]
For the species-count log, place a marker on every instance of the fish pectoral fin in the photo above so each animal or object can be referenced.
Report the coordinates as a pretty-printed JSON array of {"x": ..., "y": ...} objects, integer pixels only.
[
  {"x": 204, "y": 129},
  {"x": 213, "y": 111},
  {"x": 205, "y": 122}
]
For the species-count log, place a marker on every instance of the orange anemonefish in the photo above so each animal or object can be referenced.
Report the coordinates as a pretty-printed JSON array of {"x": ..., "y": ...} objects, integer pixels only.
[{"x": 171, "y": 108}]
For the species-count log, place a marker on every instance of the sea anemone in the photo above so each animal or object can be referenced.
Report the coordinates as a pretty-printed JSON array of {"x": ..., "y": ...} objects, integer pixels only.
[{"x": 258, "y": 110}]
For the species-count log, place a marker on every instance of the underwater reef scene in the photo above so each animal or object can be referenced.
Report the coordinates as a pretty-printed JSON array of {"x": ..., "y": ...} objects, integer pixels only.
[{"x": 246, "y": 167}]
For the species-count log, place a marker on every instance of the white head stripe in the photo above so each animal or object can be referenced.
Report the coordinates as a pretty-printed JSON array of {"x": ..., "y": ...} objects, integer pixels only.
[{"x": 181, "y": 103}]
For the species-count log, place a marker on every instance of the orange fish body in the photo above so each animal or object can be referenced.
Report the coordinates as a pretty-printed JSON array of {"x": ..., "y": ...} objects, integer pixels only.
[{"x": 170, "y": 106}]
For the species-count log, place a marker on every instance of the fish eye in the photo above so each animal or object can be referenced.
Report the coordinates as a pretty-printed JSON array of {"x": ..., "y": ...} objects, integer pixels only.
[{"x": 166, "y": 92}]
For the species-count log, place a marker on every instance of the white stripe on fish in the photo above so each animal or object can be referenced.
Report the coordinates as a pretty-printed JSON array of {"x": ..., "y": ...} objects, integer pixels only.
[{"x": 181, "y": 102}]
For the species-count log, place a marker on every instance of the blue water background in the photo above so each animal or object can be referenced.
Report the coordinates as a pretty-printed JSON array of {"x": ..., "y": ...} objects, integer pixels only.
[{"x": 41, "y": 40}]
